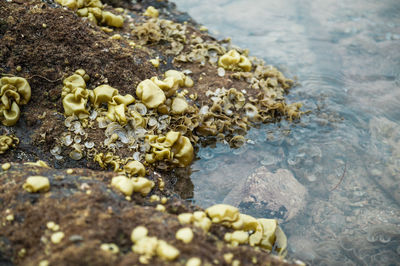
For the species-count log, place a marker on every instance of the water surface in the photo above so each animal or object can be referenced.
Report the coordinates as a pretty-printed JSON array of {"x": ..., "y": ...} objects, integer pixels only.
[{"x": 346, "y": 56}]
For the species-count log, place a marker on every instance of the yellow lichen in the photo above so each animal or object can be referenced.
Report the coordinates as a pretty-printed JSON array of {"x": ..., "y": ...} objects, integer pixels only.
[
  {"x": 232, "y": 60},
  {"x": 151, "y": 12},
  {"x": 14, "y": 92},
  {"x": 37, "y": 184}
]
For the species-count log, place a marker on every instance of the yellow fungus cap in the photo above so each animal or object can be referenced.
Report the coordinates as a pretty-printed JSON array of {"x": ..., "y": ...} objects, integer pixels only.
[
  {"x": 232, "y": 60},
  {"x": 269, "y": 228},
  {"x": 14, "y": 91},
  {"x": 151, "y": 12},
  {"x": 74, "y": 103},
  {"x": 110, "y": 247},
  {"x": 112, "y": 20},
  {"x": 37, "y": 184},
  {"x": 185, "y": 218},
  {"x": 142, "y": 185},
  {"x": 57, "y": 237},
  {"x": 185, "y": 235},
  {"x": 138, "y": 233},
  {"x": 146, "y": 246},
  {"x": 135, "y": 168},
  {"x": 74, "y": 81},
  {"x": 167, "y": 251},
  {"x": 177, "y": 76},
  {"x": 103, "y": 94},
  {"x": 179, "y": 105},
  {"x": 150, "y": 94},
  {"x": 193, "y": 262},
  {"x": 222, "y": 212},
  {"x": 123, "y": 184}
]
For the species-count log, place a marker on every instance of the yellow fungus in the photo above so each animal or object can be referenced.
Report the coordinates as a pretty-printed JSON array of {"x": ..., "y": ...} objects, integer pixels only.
[
  {"x": 39, "y": 163},
  {"x": 193, "y": 262},
  {"x": 70, "y": 171},
  {"x": 150, "y": 94},
  {"x": 269, "y": 228},
  {"x": 160, "y": 208},
  {"x": 103, "y": 94},
  {"x": 201, "y": 220},
  {"x": 142, "y": 185},
  {"x": 18, "y": 68},
  {"x": 10, "y": 217},
  {"x": 74, "y": 103},
  {"x": 112, "y": 20},
  {"x": 228, "y": 257},
  {"x": 179, "y": 105},
  {"x": 44, "y": 263},
  {"x": 57, "y": 237},
  {"x": 135, "y": 168},
  {"x": 188, "y": 82},
  {"x": 249, "y": 224},
  {"x": 14, "y": 91},
  {"x": 138, "y": 233},
  {"x": 155, "y": 62},
  {"x": 5, "y": 166},
  {"x": 6, "y": 142},
  {"x": 185, "y": 218},
  {"x": 145, "y": 246},
  {"x": 151, "y": 12},
  {"x": 37, "y": 184},
  {"x": 185, "y": 235},
  {"x": 232, "y": 60},
  {"x": 110, "y": 247},
  {"x": 203, "y": 28},
  {"x": 237, "y": 237},
  {"x": 123, "y": 184},
  {"x": 167, "y": 251},
  {"x": 236, "y": 263},
  {"x": 163, "y": 199},
  {"x": 222, "y": 213},
  {"x": 154, "y": 198}
]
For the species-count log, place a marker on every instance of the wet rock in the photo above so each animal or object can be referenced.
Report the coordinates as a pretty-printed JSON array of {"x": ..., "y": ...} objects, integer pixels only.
[{"x": 266, "y": 194}]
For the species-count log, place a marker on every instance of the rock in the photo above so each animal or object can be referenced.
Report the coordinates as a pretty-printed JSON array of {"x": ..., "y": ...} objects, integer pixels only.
[{"x": 266, "y": 194}]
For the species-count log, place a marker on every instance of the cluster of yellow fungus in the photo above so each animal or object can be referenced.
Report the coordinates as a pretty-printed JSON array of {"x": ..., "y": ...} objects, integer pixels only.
[
  {"x": 75, "y": 98},
  {"x": 151, "y": 12},
  {"x": 154, "y": 92},
  {"x": 173, "y": 146},
  {"x": 129, "y": 185},
  {"x": 37, "y": 184},
  {"x": 232, "y": 60},
  {"x": 264, "y": 233},
  {"x": 147, "y": 246},
  {"x": 7, "y": 142},
  {"x": 93, "y": 10},
  {"x": 198, "y": 218},
  {"x": 14, "y": 91}
]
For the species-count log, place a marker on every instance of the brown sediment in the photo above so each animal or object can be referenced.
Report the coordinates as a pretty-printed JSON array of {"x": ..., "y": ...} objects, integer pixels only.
[{"x": 45, "y": 44}]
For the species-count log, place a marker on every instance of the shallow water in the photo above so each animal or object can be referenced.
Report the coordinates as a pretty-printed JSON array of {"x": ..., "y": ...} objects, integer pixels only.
[{"x": 346, "y": 55}]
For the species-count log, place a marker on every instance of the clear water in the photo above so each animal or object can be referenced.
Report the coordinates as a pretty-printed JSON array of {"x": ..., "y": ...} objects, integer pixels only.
[{"x": 346, "y": 55}]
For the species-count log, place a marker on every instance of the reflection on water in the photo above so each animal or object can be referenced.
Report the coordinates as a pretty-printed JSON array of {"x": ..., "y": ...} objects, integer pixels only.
[{"x": 346, "y": 55}]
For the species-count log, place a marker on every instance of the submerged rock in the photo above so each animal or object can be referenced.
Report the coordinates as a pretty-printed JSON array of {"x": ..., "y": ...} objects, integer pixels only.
[{"x": 266, "y": 194}]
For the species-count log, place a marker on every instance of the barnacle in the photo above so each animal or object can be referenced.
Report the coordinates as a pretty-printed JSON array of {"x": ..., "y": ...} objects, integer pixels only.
[
  {"x": 7, "y": 142},
  {"x": 150, "y": 94},
  {"x": 14, "y": 91},
  {"x": 232, "y": 60}
]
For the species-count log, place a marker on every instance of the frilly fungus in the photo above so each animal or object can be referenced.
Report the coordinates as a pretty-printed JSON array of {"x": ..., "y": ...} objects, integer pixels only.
[
  {"x": 232, "y": 60},
  {"x": 14, "y": 91},
  {"x": 7, "y": 142},
  {"x": 135, "y": 168}
]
